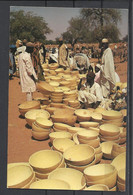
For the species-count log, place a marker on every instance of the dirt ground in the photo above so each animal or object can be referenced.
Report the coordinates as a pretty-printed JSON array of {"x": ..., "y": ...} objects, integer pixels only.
[{"x": 20, "y": 143}]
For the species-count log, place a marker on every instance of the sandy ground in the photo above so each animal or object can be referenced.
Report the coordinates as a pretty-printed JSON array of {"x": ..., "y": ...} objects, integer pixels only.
[{"x": 20, "y": 142}]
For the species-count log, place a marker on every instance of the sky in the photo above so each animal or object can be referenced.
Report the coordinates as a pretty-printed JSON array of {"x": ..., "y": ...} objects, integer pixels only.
[{"x": 57, "y": 18}]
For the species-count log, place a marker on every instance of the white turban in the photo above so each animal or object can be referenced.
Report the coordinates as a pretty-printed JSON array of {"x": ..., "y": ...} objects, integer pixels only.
[{"x": 105, "y": 40}]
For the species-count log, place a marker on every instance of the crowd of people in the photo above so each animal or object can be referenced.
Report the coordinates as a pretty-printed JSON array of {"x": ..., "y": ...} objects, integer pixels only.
[{"x": 26, "y": 59}]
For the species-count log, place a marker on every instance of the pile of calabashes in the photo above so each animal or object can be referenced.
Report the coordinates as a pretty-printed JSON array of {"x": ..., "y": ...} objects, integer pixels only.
[
  {"x": 80, "y": 139},
  {"x": 74, "y": 168}
]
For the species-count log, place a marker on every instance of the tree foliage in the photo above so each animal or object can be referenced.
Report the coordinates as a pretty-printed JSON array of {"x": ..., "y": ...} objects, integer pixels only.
[
  {"x": 102, "y": 22},
  {"x": 76, "y": 31},
  {"x": 27, "y": 26},
  {"x": 125, "y": 39},
  {"x": 98, "y": 16},
  {"x": 92, "y": 25}
]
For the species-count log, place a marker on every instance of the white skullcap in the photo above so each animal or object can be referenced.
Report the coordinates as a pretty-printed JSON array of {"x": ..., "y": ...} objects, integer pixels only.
[
  {"x": 124, "y": 90},
  {"x": 105, "y": 40}
]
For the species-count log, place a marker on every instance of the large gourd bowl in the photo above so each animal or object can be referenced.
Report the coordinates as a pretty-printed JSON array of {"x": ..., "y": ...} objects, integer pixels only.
[
  {"x": 45, "y": 161},
  {"x": 28, "y": 105},
  {"x": 81, "y": 154}
]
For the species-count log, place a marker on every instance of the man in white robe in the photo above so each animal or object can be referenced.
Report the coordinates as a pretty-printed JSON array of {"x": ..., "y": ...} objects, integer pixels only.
[
  {"x": 28, "y": 77},
  {"x": 107, "y": 70},
  {"x": 90, "y": 94}
]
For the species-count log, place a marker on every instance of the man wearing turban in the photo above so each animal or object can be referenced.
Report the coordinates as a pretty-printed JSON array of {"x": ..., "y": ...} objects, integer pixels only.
[
  {"x": 107, "y": 69},
  {"x": 28, "y": 77},
  {"x": 90, "y": 94}
]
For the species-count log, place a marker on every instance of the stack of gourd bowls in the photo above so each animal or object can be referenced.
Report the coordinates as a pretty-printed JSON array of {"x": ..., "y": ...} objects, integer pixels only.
[
  {"x": 119, "y": 162},
  {"x": 20, "y": 175},
  {"x": 61, "y": 134},
  {"x": 122, "y": 135},
  {"x": 33, "y": 114},
  {"x": 62, "y": 144},
  {"x": 112, "y": 127},
  {"x": 79, "y": 156},
  {"x": 64, "y": 82},
  {"x": 109, "y": 132},
  {"x": 38, "y": 119},
  {"x": 44, "y": 101},
  {"x": 91, "y": 138},
  {"x": 83, "y": 115},
  {"x": 121, "y": 181},
  {"x": 57, "y": 127},
  {"x": 90, "y": 125},
  {"x": 64, "y": 116},
  {"x": 41, "y": 128},
  {"x": 57, "y": 96},
  {"x": 112, "y": 117},
  {"x": 45, "y": 161},
  {"x": 101, "y": 174},
  {"x": 45, "y": 88},
  {"x": 28, "y": 105},
  {"x": 74, "y": 178},
  {"x": 53, "y": 184},
  {"x": 111, "y": 150}
]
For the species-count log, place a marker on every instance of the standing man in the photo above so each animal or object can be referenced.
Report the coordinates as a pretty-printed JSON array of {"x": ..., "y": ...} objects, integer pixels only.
[
  {"x": 63, "y": 54},
  {"x": 36, "y": 61},
  {"x": 107, "y": 69},
  {"x": 27, "y": 73},
  {"x": 20, "y": 48}
]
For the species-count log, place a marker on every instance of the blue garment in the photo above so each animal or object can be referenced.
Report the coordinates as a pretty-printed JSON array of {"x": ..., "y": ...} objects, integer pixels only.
[
  {"x": 11, "y": 71},
  {"x": 12, "y": 46}
]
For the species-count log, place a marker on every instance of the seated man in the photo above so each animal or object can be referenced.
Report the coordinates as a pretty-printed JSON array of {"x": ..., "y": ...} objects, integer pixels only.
[{"x": 90, "y": 94}]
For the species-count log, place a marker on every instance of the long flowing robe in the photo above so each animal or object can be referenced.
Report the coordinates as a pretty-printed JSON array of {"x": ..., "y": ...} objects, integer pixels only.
[
  {"x": 107, "y": 72},
  {"x": 62, "y": 56},
  {"x": 90, "y": 94},
  {"x": 26, "y": 69},
  {"x": 37, "y": 64}
]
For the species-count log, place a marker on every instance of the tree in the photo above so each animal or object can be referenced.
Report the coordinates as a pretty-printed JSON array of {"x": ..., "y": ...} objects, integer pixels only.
[
  {"x": 92, "y": 25},
  {"x": 57, "y": 40},
  {"x": 102, "y": 22},
  {"x": 109, "y": 31},
  {"x": 27, "y": 26},
  {"x": 125, "y": 39},
  {"x": 77, "y": 31}
]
